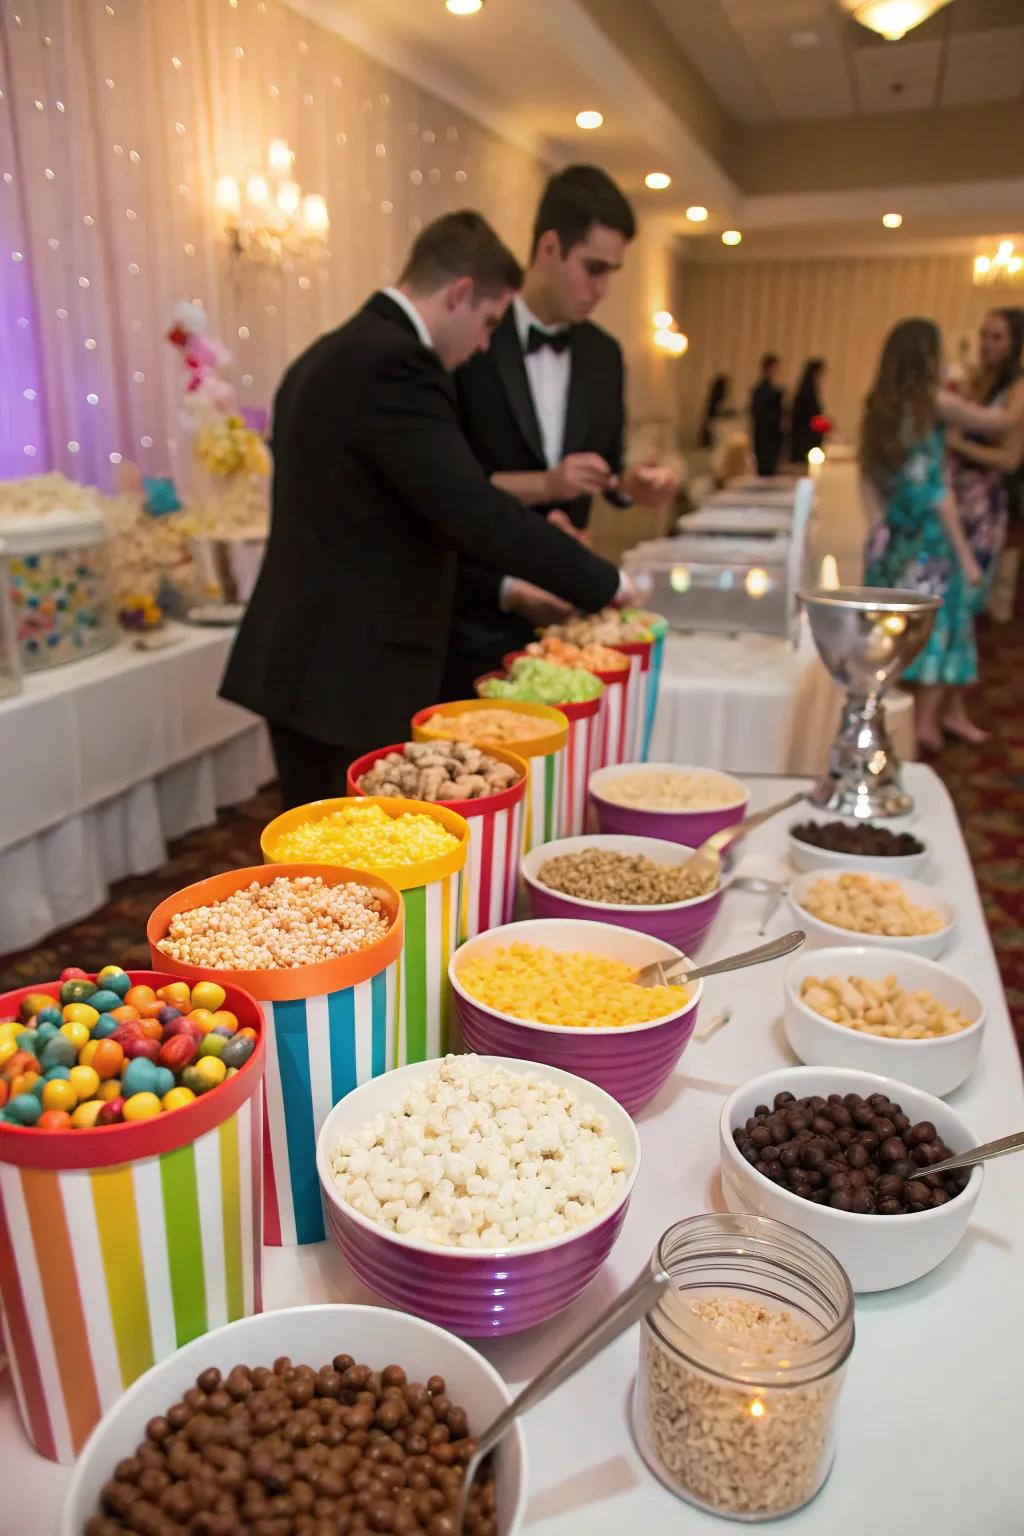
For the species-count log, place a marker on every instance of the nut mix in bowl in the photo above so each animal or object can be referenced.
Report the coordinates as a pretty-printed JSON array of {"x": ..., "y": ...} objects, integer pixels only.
[
  {"x": 852, "y": 906},
  {"x": 442, "y": 771}
]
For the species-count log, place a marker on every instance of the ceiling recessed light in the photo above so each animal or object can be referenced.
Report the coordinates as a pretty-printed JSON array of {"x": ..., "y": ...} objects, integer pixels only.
[
  {"x": 731, "y": 237},
  {"x": 589, "y": 119},
  {"x": 657, "y": 180},
  {"x": 696, "y": 214},
  {"x": 464, "y": 7},
  {"x": 663, "y": 320},
  {"x": 892, "y": 220}
]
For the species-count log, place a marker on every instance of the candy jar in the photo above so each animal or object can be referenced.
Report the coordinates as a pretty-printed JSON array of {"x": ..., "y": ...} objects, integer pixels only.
[
  {"x": 10, "y": 664},
  {"x": 741, "y": 1365}
]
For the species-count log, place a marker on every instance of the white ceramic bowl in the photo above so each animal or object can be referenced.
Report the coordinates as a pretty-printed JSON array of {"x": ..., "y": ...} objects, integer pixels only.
[
  {"x": 930, "y": 945},
  {"x": 936, "y": 1066},
  {"x": 312, "y": 1335},
  {"x": 804, "y": 856},
  {"x": 877, "y": 1252},
  {"x": 476, "y": 1292}
]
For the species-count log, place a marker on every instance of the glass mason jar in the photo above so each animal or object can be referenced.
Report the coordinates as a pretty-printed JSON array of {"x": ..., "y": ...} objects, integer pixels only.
[{"x": 741, "y": 1365}]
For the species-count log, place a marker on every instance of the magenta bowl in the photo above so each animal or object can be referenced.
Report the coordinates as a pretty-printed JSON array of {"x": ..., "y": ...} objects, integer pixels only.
[
  {"x": 688, "y": 827},
  {"x": 630, "y": 1062},
  {"x": 682, "y": 923},
  {"x": 474, "y": 1293}
]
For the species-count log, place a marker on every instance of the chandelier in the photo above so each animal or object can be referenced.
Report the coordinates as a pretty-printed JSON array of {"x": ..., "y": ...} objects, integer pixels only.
[
  {"x": 269, "y": 220},
  {"x": 892, "y": 19},
  {"x": 1001, "y": 268}
]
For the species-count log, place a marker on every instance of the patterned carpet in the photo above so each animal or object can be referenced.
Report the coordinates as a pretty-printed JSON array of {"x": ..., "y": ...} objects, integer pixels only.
[{"x": 987, "y": 785}]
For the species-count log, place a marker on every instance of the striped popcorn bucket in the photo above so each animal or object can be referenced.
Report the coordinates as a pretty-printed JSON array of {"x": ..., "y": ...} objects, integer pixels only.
[
  {"x": 659, "y": 629},
  {"x": 328, "y": 1027},
  {"x": 544, "y": 806},
  {"x": 639, "y": 653},
  {"x": 121, "y": 1243},
  {"x": 496, "y": 832},
  {"x": 609, "y": 744}
]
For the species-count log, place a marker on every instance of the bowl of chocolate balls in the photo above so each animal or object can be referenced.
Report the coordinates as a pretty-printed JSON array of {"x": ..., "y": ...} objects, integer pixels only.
[
  {"x": 843, "y": 1155},
  {"x": 842, "y": 845}
]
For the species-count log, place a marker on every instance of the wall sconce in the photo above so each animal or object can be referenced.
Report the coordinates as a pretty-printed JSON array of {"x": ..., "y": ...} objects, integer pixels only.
[
  {"x": 1003, "y": 267},
  {"x": 667, "y": 338},
  {"x": 269, "y": 220}
]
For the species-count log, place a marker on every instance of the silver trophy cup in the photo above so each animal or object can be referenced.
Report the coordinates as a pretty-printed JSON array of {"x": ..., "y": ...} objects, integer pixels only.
[{"x": 866, "y": 636}]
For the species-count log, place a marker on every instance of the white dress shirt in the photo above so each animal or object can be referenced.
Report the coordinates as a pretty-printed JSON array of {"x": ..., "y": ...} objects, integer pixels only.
[
  {"x": 404, "y": 302},
  {"x": 548, "y": 374}
]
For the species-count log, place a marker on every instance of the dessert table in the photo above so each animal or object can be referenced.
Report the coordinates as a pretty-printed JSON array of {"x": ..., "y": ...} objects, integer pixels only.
[
  {"x": 928, "y": 1427},
  {"x": 103, "y": 761}
]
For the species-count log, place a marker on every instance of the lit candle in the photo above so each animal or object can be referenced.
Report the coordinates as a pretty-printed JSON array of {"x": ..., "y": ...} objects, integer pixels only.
[
  {"x": 289, "y": 197},
  {"x": 257, "y": 191},
  {"x": 315, "y": 215},
  {"x": 227, "y": 195},
  {"x": 279, "y": 156}
]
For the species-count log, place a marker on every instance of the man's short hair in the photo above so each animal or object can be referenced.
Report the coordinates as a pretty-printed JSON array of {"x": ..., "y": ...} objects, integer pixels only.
[
  {"x": 461, "y": 245},
  {"x": 575, "y": 199},
  {"x": 769, "y": 360}
]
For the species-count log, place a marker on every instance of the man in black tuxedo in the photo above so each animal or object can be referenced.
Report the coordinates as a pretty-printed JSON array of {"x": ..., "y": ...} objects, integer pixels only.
[
  {"x": 543, "y": 411},
  {"x": 376, "y": 493},
  {"x": 766, "y": 416}
]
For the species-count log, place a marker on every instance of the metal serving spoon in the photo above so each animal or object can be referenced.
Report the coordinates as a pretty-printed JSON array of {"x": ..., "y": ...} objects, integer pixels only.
[
  {"x": 628, "y": 1309},
  {"x": 706, "y": 861},
  {"x": 662, "y": 974},
  {"x": 988, "y": 1149}
]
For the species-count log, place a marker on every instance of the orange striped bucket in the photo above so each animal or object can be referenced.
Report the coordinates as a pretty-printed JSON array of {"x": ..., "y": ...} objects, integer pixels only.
[
  {"x": 121, "y": 1243},
  {"x": 610, "y": 742}
]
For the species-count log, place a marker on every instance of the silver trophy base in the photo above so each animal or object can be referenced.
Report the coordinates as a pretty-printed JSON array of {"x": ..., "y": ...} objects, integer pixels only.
[
  {"x": 863, "y": 779},
  {"x": 852, "y": 796}
]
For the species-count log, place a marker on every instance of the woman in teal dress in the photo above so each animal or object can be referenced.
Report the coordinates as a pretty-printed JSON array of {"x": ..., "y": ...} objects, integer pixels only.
[{"x": 917, "y": 542}]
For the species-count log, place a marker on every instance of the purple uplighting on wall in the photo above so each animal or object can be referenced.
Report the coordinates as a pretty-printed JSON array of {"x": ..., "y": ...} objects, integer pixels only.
[{"x": 24, "y": 446}]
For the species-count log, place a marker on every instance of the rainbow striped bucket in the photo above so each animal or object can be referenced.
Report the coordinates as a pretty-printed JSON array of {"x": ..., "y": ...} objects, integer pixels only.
[
  {"x": 544, "y": 806},
  {"x": 121, "y": 1243},
  {"x": 496, "y": 833},
  {"x": 637, "y": 689},
  {"x": 659, "y": 629},
  {"x": 328, "y": 1028},
  {"x": 610, "y": 742}
]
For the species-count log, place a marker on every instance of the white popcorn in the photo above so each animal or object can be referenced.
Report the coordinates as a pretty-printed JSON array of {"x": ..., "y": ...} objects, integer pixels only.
[{"x": 481, "y": 1157}]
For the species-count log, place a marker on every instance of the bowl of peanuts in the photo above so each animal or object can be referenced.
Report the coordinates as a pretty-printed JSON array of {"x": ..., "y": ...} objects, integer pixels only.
[
  {"x": 292, "y": 1368},
  {"x": 683, "y": 804},
  {"x": 559, "y": 991},
  {"x": 857, "y": 907},
  {"x": 636, "y": 882},
  {"x": 884, "y": 1011}
]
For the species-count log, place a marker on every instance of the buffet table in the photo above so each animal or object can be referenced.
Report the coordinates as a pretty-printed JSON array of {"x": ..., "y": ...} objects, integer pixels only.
[
  {"x": 106, "y": 759},
  {"x": 928, "y": 1425}
]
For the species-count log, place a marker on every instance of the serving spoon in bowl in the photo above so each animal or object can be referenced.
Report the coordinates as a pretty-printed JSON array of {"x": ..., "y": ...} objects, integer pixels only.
[
  {"x": 664, "y": 973},
  {"x": 706, "y": 861}
]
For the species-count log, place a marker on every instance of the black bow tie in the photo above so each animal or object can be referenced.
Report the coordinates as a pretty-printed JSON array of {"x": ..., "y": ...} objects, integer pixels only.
[{"x": 556, "y": 340}]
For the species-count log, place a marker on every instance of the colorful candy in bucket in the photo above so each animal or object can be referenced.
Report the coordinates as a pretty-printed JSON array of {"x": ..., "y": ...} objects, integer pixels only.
[
  {"x": 496, "y": 821},
  {"x": 329, "y": 1022},
  {"x": 536, "y": 732},
  {"x": 121, "y": 1241}
]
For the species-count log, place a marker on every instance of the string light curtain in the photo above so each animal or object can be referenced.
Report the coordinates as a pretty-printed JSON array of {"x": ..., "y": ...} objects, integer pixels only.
[{"x": 116, "y": 120}]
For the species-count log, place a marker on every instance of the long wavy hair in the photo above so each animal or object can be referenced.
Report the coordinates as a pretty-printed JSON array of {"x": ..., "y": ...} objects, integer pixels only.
[
  {"x": 1013, "y": 364},
  {"x": 900, "y": 405}
]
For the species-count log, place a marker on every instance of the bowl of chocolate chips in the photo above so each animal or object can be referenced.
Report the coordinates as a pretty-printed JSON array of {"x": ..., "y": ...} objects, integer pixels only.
[
  {"x": 844, "y": 1155},
  {"x": 816, "y": 843}
]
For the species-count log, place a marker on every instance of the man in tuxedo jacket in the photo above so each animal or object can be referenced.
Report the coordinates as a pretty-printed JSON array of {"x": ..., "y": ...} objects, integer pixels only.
[
  {"x": 375, "y": 495},
  {"x": 543, "y": 411}
]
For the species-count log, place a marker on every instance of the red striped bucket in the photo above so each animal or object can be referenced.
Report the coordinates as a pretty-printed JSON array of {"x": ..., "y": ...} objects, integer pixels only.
[
  {"x": 121, "y": 1243},
  {"x": 639, "y": 653},
  {"x": 496, "y": 831},
  {"x": 610, "y": 741},
  {"x": 584, "y": 719}
]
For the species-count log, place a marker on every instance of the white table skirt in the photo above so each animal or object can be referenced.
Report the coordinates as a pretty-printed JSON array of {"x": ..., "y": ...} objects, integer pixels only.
[
  {"x": 928, "y": 1356},
  {"x": 106, "y": 760},
  {"x": 755, "y": 704}
]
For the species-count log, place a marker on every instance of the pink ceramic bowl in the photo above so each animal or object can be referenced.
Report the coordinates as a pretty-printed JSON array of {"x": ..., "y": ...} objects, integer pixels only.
[
  {"x": 630, "y": 1062},
  {"x": 475, "y": 1293},
  {"x": 688, "y": 827},
  {"x": 682, "y": 923}
]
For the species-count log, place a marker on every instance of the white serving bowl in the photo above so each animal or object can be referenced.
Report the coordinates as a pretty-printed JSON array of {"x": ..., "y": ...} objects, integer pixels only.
[
  {"x": 877, "y": 1252},
  {"x": 804, "y": 856},
  {"x": 930, "y": 945},
  {"x": 936, "y": 1066},
  {"x": 310, "y": 1335}
]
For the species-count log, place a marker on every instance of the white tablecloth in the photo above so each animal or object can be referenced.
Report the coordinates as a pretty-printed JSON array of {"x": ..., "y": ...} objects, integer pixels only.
[
  {"x": 755, "y": 704},
  {"x": 103, "y": 761},
  {"x": 928, "y": 1431}
]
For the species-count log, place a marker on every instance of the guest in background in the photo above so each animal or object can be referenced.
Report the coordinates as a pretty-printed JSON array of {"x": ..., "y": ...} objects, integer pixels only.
[
  {"x": 981, "y": 473},
  {"x": 766, "y": 416},
  {"x": 733, "y": 460},
  {"x": 917, "y": 541},
  {"x": 375, "y": 494},
  {"x": 544, "y": 412},
  {"x": 716, "y": 407},
  {"x": 806, "y": 406}
]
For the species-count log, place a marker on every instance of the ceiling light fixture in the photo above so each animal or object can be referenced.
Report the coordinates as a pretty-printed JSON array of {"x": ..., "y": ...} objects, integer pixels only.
[
  {"x": 696, "y": 213},
  {"x": 663, "y": 319},
  {"x": 657, "y": 180},
  {"x": 589, "y": 119},
  {"x": 892, "y": 220},
  {"x": 892, "y": 19},
  {"x": 731, "y": 237},
  {"x": 1005, "y": 266},
  {"x": 464, "y": 7}
]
